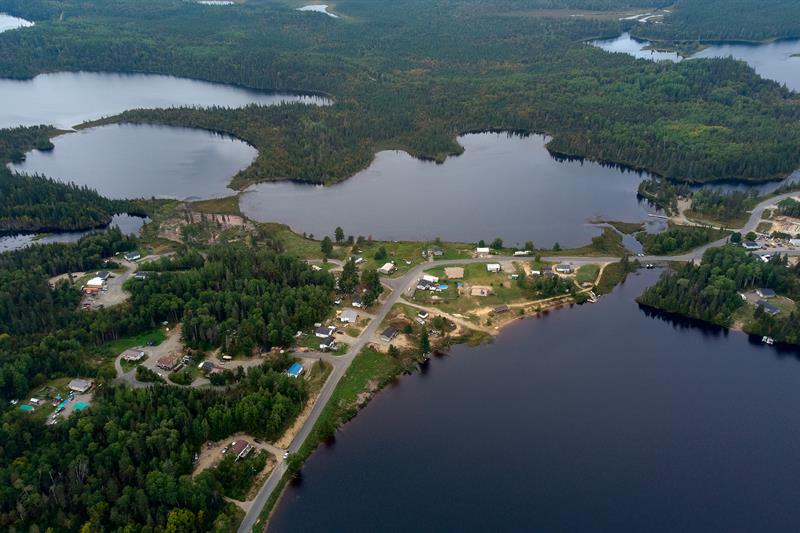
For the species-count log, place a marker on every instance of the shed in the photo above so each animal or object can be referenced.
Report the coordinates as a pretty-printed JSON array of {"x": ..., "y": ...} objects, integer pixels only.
[
  {"x": 493, "y": 267},
  {"x": 80, "y": 385},
  {"x": 500, "y": 309},
  {"x": 295, "y": 370}
]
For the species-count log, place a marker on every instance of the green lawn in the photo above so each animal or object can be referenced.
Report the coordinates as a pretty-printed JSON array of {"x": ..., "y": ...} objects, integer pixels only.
[
  {"x": 587, "y": 273},
  {"x": 120, "y": 345}
]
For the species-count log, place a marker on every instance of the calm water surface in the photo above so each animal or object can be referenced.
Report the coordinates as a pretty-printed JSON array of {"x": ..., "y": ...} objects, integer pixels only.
[
  {"x": 501, "y": 186},
  {"x": 128, "y": 224},
  {"x": 133, "y": 161},
  {"x": 594, "y": 419},
  {"x": 65, "y": 99},
  {"x": 773, "y": 60},
  {"x": 7, "y": 22}
]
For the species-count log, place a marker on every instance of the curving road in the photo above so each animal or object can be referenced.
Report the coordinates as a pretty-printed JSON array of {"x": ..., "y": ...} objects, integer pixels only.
[{"x": 406, "y": 283}]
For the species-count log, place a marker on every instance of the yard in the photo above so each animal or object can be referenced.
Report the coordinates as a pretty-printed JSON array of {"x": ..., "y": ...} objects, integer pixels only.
[{"x": 454, "y": 300}]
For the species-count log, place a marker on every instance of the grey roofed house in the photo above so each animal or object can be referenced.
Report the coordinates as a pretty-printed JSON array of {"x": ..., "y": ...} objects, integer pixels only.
[
  {"x": 765, "y": 293},
  {"x": 751, "y": 245},
  {"x": 388, "y": 334},
  {"x": 357, "y": 302},
  {"x": 140, "y": 275},
  {"x": 324, "y": 331},
  {"x": 768, "y": 308},
  {"x": 500, "y": 308},
  {"x": 328, "y": 343},
  {"x": 425, "y": 285},
  {"x": 103, "y": 274},
  {"x": 80, "y": 385},
  {"x": 348, "y": 315},
  {"x": 132, "y": 256},
  {"x": 133, "y": 354},
  {"x": 564, "y": 268}
]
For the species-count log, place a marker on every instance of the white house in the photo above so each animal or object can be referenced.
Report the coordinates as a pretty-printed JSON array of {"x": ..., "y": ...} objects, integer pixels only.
[
  {"x": 386, "y": 269},
  {"x": 482, "y": 250},
  {"x": 564, "y": 268},
  {"x": 430, "y": 279},
  {"x": 324, "y": 332},
  {"x": 328, "y": 343},
  {"x": 522, "y": 252},
  {"x": 493, "y": 267}
]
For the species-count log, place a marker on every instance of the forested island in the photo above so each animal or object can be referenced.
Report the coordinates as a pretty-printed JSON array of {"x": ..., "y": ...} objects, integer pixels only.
[{"x": 411, "y": 75}]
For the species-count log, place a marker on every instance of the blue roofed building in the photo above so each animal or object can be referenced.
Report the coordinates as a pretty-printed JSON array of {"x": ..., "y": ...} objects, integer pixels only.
[{"x": 295, "y": 370}]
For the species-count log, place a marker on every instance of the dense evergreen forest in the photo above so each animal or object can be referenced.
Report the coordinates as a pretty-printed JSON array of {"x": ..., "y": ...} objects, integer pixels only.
[
  {"x": 710, "y": 291},
  {"x": 414, "y": 74},
  {"x": 126, "y": 464},
  {"x": 744, "y": 20},
  {"x": 789, "y": 207}
]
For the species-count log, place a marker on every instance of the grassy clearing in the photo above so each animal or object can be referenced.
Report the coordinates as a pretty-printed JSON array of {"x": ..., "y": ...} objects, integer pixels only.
[
  {"x": 587, "y": 274},
  {"x": 220, "y": 206},
  {"x": 613, "y": 275},
  {"x": 504, "y": 290},
  {"x": 118, "y": 346}
]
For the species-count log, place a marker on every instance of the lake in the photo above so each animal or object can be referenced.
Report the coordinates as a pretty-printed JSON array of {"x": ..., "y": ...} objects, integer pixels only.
[
  {"x": 65, "y": 99},
  {"x": 7, "y": 22},
  {"x": 503, "y": 185},
  {"x": 133, "y": 161},
  {"x": 639, "y": 424},
  {"x": 128, "y": 224},
  {"x": 771, "y": 60}
]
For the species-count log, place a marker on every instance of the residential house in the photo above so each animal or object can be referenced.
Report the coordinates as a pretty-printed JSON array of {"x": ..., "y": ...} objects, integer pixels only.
[
  {"x": 133, "y": 256},
  {"x": 388, "y": 334},
  {"x": 357, "y": 259},
  {"x": 519, "y": 253},
  {"x": 387, "y": 269},
  {"x": 765, "y": 293},
  {"x": 768, "y": 308},
  {"x": 357, "y": 302},
  {"x": 564, "y": 268},
  {"x": 493, "y": 267},
  {"x": 133, "y": 355},
  {"x": 81, "y": 386},
  {"x": 167, "y": 362},
  {"x": 481, "y": 250},
  {"x": 140, "y": 276},
  {"x": 500, "y": 309},
  {"x": 240, "y": 449},
  {"x": 348, "y": 316},
  {"x": 751, "y": 245},
  {"x": 328, "y": 343},
  {"x": 425, "y": 285},
  {"x": 295, "y": 370},
  {"x": 324, "y": 332},
  {"x": 103, "y": 274}
]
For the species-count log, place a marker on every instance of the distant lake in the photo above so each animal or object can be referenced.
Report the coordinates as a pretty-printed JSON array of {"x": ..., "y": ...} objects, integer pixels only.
[
  {"x": 7, "y": 22},
  {"x": 771, "y": 60},
  {"x": 65, "y": 99},
  {"x": 319, "y": 8},
  {"x": 128, "y": 224},
  {"x": 595, "y": 419},
  {"x": 133, "y": 161},
  {"x": 502, "y": 186}
]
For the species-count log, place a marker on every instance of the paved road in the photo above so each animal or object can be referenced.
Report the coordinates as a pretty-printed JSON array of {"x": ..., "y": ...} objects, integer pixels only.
[{"x": 405, "y": 284}]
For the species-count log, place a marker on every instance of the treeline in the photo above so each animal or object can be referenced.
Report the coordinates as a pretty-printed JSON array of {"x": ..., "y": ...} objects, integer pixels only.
[
  {"x": 722, "y": 206},
  {"x": 678, "y": 239},
  {"x": 16, "y": 142},
  {"x": 663, "y": 193},
  {"x": 789, "y": 207},
  {"x": 710, "y": 291},
  {"x": 126, "y": 463},
  {"x": 411, "y": 75}
]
